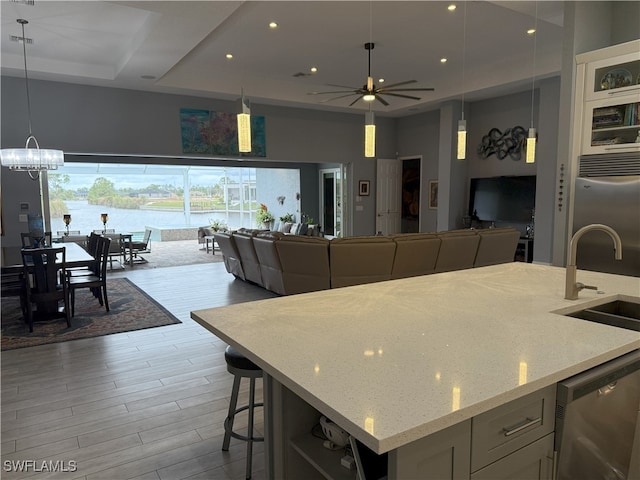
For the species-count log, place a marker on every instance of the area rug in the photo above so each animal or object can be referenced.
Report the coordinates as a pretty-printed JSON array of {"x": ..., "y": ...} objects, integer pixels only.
[{"x": 130, "y": 309}]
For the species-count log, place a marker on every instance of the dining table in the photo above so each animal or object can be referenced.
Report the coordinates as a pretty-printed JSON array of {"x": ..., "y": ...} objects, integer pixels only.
[
  {"x": 11, "y": 268},
  {"x": 76, "y": 256}
]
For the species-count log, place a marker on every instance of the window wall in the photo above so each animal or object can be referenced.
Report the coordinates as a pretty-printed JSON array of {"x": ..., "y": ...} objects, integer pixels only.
[{"x": 135, "y": 196}]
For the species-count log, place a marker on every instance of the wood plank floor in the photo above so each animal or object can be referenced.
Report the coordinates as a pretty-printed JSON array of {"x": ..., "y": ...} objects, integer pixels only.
[{"x": 148, "y": 404}]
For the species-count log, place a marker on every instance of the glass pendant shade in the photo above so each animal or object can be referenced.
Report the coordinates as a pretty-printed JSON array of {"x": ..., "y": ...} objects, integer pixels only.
[
  {"x": 462, "y": 139},
  {"x": 244, "y": 126},
  {"x": 369, "y": 135},
  {"x": 531, "y": 146}
]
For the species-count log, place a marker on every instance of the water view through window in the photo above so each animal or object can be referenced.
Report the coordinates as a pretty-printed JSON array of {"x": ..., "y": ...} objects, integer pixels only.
[{"x": 139, "y": 196}]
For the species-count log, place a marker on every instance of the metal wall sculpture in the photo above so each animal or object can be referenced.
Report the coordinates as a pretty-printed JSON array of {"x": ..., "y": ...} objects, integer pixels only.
[{"x": 512, "y": 142}]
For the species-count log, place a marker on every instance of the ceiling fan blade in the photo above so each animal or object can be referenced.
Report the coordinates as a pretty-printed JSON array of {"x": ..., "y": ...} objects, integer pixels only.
[
  {"x": 355, "y": 89},
  {"x": 356, "y": 100},
  {"x": 400, "y": 83},
  {"x": 336, "y": 98},
  {"x": 426, "y": 89},
  {"x": 382, "y": 100},
  {"x": 350, "y": 92},
  {"x": 402, "y": 96}
]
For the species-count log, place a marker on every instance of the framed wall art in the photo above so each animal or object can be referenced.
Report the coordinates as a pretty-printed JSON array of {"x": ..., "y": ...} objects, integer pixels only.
[
  {"x": 363, "y": 188},
  {"x": 433, "y": 194}
]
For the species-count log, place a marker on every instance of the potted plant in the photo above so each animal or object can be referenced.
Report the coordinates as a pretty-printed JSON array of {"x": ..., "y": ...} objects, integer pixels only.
[
  {"x": 287, "y": 217},
  {"x": 218, "y": 225},
  {"x": 264, "y": 217}
]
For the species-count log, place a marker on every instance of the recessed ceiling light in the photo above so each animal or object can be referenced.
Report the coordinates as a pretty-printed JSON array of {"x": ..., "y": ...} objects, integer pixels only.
[
  {"x": 314, "y": 69},
  {"x": 443, "y": 60},
  {"x": 531, "y": 31},
  {"x": 273, "y": 25},
  {"x": 229, "y": 56},
  {"x": 381, "y": 80},
  {"x": 452, "y": 7}
]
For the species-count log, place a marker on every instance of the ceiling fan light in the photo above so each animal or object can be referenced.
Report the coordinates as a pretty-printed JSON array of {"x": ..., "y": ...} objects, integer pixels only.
[{"x": 369, "y": 97}]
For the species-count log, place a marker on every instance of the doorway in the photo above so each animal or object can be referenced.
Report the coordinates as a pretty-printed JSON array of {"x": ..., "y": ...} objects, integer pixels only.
[
  {"x": 398, "y": 192},
  {"x": 331, "y": 201}
]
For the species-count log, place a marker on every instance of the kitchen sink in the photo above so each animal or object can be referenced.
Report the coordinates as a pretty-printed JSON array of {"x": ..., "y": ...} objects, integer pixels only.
[{"x": 623, "y": 313}]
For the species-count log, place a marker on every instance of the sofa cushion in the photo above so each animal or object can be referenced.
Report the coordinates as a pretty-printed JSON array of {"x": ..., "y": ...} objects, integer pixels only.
[
  {"x": 230, "y": 254},
  {"x": 458, "y": 250},
  {"x": 357, "y": 260},
  {"x": 248, "y": 257},
  {"x": 270, "y": 267},
  {"x": 416, "y": 254},
  {"x": 305, "y": 263},
  {"x": 497, "y": 245}
]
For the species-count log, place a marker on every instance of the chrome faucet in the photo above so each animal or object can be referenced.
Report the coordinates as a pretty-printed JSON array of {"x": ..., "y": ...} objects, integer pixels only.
[{"x": 571, "y": 286}]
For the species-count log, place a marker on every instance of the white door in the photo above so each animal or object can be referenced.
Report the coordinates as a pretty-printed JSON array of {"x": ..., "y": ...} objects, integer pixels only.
[{"x": 388, "y": 196}]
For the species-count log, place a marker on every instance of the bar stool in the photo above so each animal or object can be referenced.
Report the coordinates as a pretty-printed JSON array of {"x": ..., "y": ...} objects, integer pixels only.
[{"x": 241, "y": 367}]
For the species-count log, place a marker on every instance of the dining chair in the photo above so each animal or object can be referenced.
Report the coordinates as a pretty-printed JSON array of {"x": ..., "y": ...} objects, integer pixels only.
[
  {"x": 44, "y": 273},
  {"x": 97, "y": 282},
  {"x": 30, "y": 240},
  {"x": 91, "y": 245}
]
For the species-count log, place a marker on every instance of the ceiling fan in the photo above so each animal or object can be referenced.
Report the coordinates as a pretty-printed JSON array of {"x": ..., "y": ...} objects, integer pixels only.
[{"x": 370, "y": 92}]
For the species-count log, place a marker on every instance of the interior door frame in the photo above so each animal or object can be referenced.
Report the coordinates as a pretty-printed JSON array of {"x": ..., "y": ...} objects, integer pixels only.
[
  {"x": 423, "y": 190},
  {"x": 338, "y": 198}
]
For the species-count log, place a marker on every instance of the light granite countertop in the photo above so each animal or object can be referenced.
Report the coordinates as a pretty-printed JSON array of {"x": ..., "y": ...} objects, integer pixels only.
[{"x": 395, "y": 361}]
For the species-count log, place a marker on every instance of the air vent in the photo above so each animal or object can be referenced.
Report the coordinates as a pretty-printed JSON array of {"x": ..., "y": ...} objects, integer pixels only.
[
  {"x": 17, "y": 39},
  {"x": 24, "y": 2},
  {"x": 301, "y": 74},
  {"x": 609, "y": 165}
]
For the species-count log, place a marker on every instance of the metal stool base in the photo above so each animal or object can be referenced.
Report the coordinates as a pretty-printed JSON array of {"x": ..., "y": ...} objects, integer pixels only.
[{"x": 238, "y": 374}]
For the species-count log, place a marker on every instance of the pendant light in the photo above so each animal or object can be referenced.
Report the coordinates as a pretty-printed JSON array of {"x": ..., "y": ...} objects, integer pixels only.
[
  {"x": 31, "y": 160},
  {"x": 369, "y": 134},
  {"x": 369, "y": 118},
  {"x": 530, "y": 156},
  {"x": 244, "y": 125},
  {"x": 462, "y": 123}
]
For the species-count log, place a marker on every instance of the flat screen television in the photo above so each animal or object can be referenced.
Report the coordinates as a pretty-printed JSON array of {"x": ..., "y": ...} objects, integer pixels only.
[{"x": 503, "y": 199}]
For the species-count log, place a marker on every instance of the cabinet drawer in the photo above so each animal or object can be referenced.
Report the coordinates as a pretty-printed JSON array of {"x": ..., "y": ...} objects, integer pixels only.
[
  {"x": 507, "y": 428},
  {"x": 533, "y": 462}
]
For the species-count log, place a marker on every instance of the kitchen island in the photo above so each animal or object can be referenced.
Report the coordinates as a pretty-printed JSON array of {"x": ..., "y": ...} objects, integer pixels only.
[{"x": 397, "y": 362}]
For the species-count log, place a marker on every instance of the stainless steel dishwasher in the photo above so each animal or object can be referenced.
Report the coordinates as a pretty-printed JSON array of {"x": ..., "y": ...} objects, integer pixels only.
[{"x": 598, "y": 422}]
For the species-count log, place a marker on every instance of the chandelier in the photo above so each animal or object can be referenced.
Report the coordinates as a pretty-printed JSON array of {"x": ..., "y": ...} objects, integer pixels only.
[{"x": 35, "y": 159}]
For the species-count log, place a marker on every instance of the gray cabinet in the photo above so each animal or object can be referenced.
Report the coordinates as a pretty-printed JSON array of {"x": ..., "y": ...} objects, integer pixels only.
[
  {"x": 510, "y": 427},
  {"x": 533, "y": 462},
  {"x": 514, "y": 440},
  {"x": 443, "y": 455}
]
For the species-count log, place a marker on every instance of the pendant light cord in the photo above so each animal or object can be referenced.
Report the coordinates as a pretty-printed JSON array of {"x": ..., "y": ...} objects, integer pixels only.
[
  {"x": 26, "y": 75},
  {"x": 533, "y": 75},
  {"x": 464, "y": 53}
]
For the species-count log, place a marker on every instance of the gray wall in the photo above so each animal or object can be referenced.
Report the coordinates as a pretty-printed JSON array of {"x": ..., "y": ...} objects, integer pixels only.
[
  {"x": 417, "y": 136},
  {"x": 116, "y": 122},
  {"x": 122, "y": 122}
]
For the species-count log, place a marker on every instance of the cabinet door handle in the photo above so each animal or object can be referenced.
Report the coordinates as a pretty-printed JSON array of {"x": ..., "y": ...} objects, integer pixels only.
[{"x": 529, "y": 423}]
